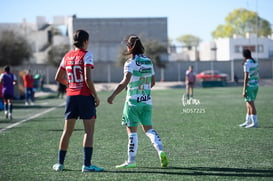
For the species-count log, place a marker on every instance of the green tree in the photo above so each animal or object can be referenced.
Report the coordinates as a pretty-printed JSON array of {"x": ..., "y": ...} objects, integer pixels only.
[
  {"x": 14, "y": 49},
  {"x": 240, "y": 22},
  {"x": 189, "y": 40},
  {"x": 153, "y": 49},
  {"x": 56, "y": 31},
  {"x": 56, "y": 54}
]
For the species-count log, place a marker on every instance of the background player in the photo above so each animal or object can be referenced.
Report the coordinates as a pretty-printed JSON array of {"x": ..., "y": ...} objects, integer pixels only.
[
  {"x": 139, "y": 79},
  {"x": 250, "y": 89},
  {"x": 28, "y": 84},
  {"x": 8, "y": 80},
  {"x": 190, "y": 81}
]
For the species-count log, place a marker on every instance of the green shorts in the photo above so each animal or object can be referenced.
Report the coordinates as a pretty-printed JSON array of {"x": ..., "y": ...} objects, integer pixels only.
[
  {"x": 251, "y": 93},
  {"x": 132, "y": 115}
]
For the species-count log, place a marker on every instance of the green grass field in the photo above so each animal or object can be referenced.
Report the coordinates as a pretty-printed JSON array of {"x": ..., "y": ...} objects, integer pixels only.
[{"x": 203, "y": 141}]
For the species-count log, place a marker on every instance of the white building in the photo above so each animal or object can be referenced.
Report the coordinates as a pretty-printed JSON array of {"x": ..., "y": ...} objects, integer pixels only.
[
  {"x": 106, "y": 34},
  {"x": 223, "y": 49},
  {"x": 39, "y": 35},
  {"x": 182, "y": 53}
]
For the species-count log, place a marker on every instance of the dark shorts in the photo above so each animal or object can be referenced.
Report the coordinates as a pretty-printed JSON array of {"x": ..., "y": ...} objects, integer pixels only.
[
  {"x": 7, "y": 96},
  {"x": 190, "y": 84},
  {"x": 82, "y": 107}
]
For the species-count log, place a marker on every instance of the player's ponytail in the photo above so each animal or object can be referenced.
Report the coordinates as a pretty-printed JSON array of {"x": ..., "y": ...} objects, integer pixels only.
[
  {"x": 134, "y": 45},
  {"x": 79, "y": 37},
  {"x": 247, "y": 55}
]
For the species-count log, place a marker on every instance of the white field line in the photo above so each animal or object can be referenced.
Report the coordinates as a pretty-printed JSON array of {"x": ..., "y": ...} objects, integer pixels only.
[{"x": 30, "y": 118}]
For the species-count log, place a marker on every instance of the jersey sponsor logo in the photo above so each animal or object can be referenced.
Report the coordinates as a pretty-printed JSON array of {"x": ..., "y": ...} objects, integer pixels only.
[
  {"x": 141, "y": 61},
  {"x": 143, "y": 98},
  {"x": 138, "y": 62},
  {"x": 72, "y": 59},
  {"x": 145, "y": 70}
]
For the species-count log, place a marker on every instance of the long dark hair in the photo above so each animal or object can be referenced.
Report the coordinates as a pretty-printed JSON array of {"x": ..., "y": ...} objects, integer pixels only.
[
  {"x": 134, "y": 45},
  {"x": 7, "y": 69},
  {"x": 247, "y": 55},
  {"x": 79, "y": 37}
]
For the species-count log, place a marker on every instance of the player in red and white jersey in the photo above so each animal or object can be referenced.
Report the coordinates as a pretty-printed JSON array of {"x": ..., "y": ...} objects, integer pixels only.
[{"x": 81, "y": 100}]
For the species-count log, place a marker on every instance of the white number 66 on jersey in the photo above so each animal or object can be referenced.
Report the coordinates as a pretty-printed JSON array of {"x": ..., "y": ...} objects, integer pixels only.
[{"x": 74, "y": 74}]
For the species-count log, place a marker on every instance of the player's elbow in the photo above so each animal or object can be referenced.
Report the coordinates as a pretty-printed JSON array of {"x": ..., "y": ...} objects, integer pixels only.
[
  {"x": 152, "y": 84},
  {"x": 57, "y": 78}
]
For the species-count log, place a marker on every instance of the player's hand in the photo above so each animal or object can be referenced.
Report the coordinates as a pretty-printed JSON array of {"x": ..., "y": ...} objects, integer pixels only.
[
  {"x": 110, "y": 99},
  {"x": 97, "y": 101},
  {"x": 244, "y": 94}
]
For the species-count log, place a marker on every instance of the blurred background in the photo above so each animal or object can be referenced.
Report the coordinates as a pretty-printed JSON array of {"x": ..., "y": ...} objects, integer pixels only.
[{"x": 209, "y": 34}]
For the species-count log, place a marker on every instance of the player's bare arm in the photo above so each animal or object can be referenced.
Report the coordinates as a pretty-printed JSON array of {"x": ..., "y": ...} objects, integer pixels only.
[
  {"x": 90, "y": 84},
  {"x": 126, "y": 79},
  {"x": 153, "y": 81},
  {"x": 60, "y": 77},
  {"x": 245, "y": 83}
]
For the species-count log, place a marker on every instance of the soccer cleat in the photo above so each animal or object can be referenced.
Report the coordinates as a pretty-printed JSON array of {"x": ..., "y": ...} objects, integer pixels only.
[
  {"x": 58, "y": 167},
  {"x": 127, "y": 165},
  {"x": 252, "y": 126},
  {"x": 163, "y": 159},
  {"x": 244, "y": 124},
  {"x": 92, "y": 168}
]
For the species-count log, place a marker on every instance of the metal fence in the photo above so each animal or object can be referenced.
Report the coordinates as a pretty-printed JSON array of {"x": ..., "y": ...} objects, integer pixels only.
[{"x": 174, "y": 71}]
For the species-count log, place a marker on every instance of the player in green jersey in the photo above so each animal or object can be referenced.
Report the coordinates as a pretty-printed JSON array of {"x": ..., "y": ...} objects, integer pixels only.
[
  {"x": 139, "y": 79},
  {"x": 250, "y": 89}
]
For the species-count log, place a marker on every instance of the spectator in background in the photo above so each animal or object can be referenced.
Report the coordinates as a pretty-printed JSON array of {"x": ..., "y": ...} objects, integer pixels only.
[
  {"x": 1, "y": 98},
  {"x": 61, "y": 90},
  {"x": 8, "y": 80},
  {"x": 42, "y": 82},
  {"x": 36, "y": 84},
  {"x": 236, "y": 79},
  {"x": 190, "y": 81},
  {"x": 28, "y": 84}
]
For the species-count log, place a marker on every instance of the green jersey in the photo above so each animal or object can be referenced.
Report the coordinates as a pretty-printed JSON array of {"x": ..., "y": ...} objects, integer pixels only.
[{"x": 139, "y": 87}]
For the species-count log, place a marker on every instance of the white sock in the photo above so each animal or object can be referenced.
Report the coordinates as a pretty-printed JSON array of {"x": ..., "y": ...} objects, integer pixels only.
[
  {"x": 254, "y": 119},
  {"x": 132, "y": 147},
  {"x": 247, "y": 119},
  {"x": 155, "y": 139}
]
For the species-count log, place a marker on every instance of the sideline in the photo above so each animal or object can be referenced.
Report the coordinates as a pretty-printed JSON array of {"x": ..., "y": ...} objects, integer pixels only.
[{"x": 30, "y": 118}]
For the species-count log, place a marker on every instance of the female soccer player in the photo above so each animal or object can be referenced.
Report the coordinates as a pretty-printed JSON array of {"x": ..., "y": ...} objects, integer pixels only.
[
  {"x": 250, "y": 89},
  {"x": 139, "y": 79},
  {"x": 81, "y": 100},
  {"x": 190, "y": 81},
  {"x": 8, "y": 80},
  {"x": 28, "y": 84}
]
